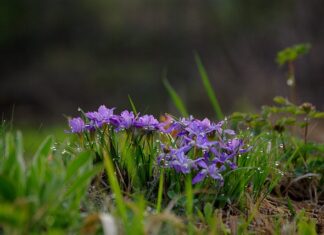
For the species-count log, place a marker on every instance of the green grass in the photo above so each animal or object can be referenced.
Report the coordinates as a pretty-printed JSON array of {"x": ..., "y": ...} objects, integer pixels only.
[
  {"x": 48, "y": 192},
  {"x": 57, "y": 183},
  {"x": 208, "y": 88}
]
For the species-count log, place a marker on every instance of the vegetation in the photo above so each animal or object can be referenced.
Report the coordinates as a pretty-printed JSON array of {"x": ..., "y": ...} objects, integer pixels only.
[{"x": 132, "y": 174}]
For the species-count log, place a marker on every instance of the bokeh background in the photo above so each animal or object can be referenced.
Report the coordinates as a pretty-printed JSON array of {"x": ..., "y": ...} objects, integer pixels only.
[{"x": 59, "y": 55}]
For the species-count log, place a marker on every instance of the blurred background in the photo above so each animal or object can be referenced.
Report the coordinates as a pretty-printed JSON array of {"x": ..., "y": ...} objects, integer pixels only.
[{"x": 59, "y": 55}]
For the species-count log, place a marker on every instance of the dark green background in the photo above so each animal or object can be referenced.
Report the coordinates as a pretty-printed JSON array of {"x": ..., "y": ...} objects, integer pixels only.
[{"x": 59, "y": 55}]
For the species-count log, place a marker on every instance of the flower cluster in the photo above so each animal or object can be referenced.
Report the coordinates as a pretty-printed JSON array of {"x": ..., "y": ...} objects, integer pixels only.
[
  {"x": 106, "y": 116},
  {"x": 202, "y": 147}
]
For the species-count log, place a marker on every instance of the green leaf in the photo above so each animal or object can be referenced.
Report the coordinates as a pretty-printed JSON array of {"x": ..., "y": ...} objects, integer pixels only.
[
  {"x": 13, "y": 163},
  {"x": 160, "y": 191},
  {"x": 208, "y": 88},
  {"x": 7, "y": 188},
  {"x": 132, "y": 104},
  {"x": 82, "y": 180},
  {"x": 171, "y": 194},
  {"x": 208, "y": 210},
  {"x": 77, "y": 163},
  {"x": 176, "y": 99},
  {"x": 44, "y": 149},
  {"x": 318, "y": 115},
  {"x": 288, "y": 121},
  {"x": 281, "y": 100},
  {"x": 37, "y": 171},
  {"x": 12, "y": 216},
  {"x": 20, "y": 151},
  {"x": 290, "y": 54},
  {"x": 238, "y": 116},
  {"x": 113, "y": 182}
]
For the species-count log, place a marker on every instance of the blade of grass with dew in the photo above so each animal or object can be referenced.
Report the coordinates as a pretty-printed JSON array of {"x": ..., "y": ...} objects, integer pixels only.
[
  {"x": 115, "y": 187},
  {"x": 175, "y": 98},
  {"x": 160, "y": 191},
  {"x": 132, "y": 104},
  {"x": 207, "y": 85}
]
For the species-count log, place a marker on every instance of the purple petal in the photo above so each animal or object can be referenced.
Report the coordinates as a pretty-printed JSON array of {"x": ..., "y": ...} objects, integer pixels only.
[
  {"x": 202, "y": 164},
  {"x": 229, "y": 132},
  {"x": 77, "y": 125},
  {"x": 199, "y": 177}
]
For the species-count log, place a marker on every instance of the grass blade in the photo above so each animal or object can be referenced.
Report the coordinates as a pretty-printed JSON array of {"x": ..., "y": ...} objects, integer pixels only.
[
  {"x": 175, "y": 98},
  {"x": 189, "y": 203},
  {"x": 115, "y": 187},
  {"x": 132, "y": 104},
  {"x": 77, "y": 163},
  {"x": 207, "y": 85},
  {"x": 160, "y": 192}
]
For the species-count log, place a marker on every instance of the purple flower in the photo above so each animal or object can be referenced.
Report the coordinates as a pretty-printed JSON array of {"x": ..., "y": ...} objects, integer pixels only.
[
  {"x": 125, "y": 120},
  {"x": 196, "y": 146},
  {"x": 207, "y": 170},
  {"x": 201, "y": 141},
  {"x": 105, "y": 112},
  {"x": 206, "y": 138},
  {"x": 77, "y": 125},
  {"x": 181, "y": 163},
  {"x": 148, "y": 122},
  {"x": 234, "y": 146},
  {"x": 197, "y": 127},
  {"x": 101, "y": 117},
  {"x": 225, "y": 159},
  {"x": 179, "y": 126}
]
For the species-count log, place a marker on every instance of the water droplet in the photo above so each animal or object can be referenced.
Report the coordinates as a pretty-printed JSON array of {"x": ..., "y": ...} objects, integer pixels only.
[
  {"x": 259, "y": 169},
  {"x": 240, "y": 155},
  {"x": 290, "y": 82}
]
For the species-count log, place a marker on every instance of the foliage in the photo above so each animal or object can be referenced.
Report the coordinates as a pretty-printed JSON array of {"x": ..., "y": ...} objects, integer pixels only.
[
  {"x": 45, "y": 194},
  {"x": 292, "y": 53},
  {"x": 132, "y": 174}
]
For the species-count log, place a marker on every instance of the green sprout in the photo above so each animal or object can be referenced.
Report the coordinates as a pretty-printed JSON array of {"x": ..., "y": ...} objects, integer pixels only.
[{"x": 288, "y": 56}]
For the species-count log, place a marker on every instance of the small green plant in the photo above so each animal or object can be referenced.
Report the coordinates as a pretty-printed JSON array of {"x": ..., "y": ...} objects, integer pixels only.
[
  {"x": 288, "y": 56},
  {"x": 45, "y": 194}
]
